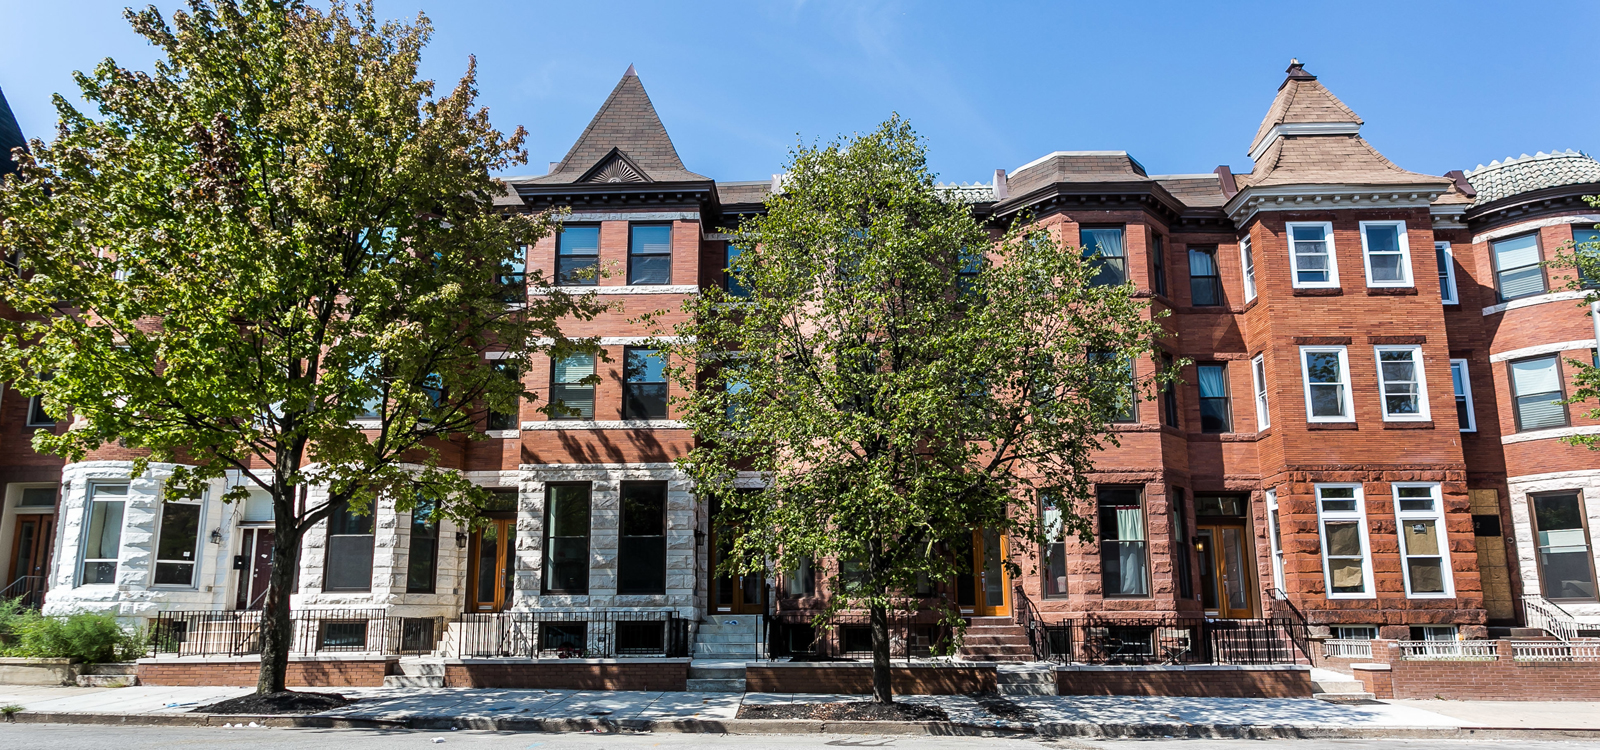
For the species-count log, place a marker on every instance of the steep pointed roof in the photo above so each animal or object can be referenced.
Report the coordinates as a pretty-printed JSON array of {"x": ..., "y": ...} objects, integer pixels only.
[
  {"x": 1301, "y": 100},
  {"x": 625, "y": 142},
  {"x": 10, "y": 136}
]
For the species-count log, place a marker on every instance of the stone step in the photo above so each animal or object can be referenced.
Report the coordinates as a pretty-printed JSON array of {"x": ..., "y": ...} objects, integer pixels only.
[
  {"x": 694, "y": 685},
  {"x": 421, "y": 668},
  {"x": 1028, "y": 689},
  {"x": 1019, "y": 677},
  {"x": 704, "y": 637},
  {"x": 114, "y": 668},
  {"x": 1343, "y": 697},
  {"x": 724, "y": 651},
  {"x": 987, "y": 639},
  {"x": 1336, "y": 686},
  {"x": 414, "y": 681},
  {"x": 716, "y": 673},
  {"x": 107, "y": 680}
]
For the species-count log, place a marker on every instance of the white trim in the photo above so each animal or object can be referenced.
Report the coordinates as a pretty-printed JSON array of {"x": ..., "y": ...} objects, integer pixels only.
[
  {"x": 630, "y": 289},
  {"x": 1422, "y": 414},
  {"x": 502, "y": 355},
  {"x": 1250, "y": 200},
  {"x": 200, "y": 540},
  {"x": 618, "y": 424},
  {"x": 1274, "y": 531},
  {"x": 1406, "y": 277},
  {"x": 503, "y": 434},
  {"x": 1344, "y": 383},
  {"x": 1443, "y": 540},
  {"x": 1258, "y": 379},
  {"x": 1550, "y": 433},
  {"x": 1449, "y": 280},
  {"x": 1247, "y": 266},
  {"x": 1359, "y": 515},
  {"x": 1534, "y": 351},
  {"x": 1302, "y": 128},
  {"x": 1333, "y": 257},
  {"x": 1522, "y": 227},
  {"x": 1466, "y": 390},
  {"x": 1535, "y": 299}
]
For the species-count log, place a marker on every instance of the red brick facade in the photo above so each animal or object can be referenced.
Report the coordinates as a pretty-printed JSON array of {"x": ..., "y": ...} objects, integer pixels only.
[{"x": 303, "y": 672}]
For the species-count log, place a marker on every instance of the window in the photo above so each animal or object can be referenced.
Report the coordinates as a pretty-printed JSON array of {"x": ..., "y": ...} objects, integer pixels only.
[
  {"x": 1205, "y": 285},
  {"x": 422, "y": 565},
  {"x": 1447, "y": 273},
  {"x": 1169, "y": 395},
  {"x": 1435, "y": 633},
  {"x": 349, "y": 563},
  {"x": 1345, "y": 551},
  {"x": 505, "y": 420},
  {"x": 1355, "y": 632},
  {"x": 1055, "y": 567},
  {"x": 1516, "y": 267},
  {"x": 1566, "y": 565},
  {"x": 1103, "y": 249},
  {"x": 1586, "y": 242},
  {"x": 1178, "y": 533},
  {"x": 1158, "y": 264},
  {"x": 37, "y": 416},
  {"x": 735, "y": 390},
  {"x": 1462, "y": 383},
  {"x": 1116, "y": 370},
  {"x": 1258, "y": 381},
  {"x": 1124, "y": 561},
  {"x": 644, "y": 394},
  {"x": 37, "y": 497},
  {"x": 369, "y": 374},
  {"x": 1387, "y": 252},
  {"x": 513, "y": 278},
  {"x": 1248, "y": 258},
  {"x": 1311, "y": 254},
  {"x": 103, "y": 535},
  {"x": 1275, "y": 539},
  {"x": 730, "y": 257},
  {"x": 802, "y": 581},
  {"x": 1536, "y": 393},
  {"x": 572, "y": 387},
  {"x": 566, "y": 539},
  {"x": 177, "y": 546},
  {"x": 967, "y": 274},
  {"x": 1216, "y": 413},
  {"x": 1327, "y": 384},
  {"x": 1424, "y": 550},
  {"x": 650, "y": 254},
  {"x": 1401, "y": 384},
  {"x": 642, "y": 548},
  {"x": 578, "y": 256}
]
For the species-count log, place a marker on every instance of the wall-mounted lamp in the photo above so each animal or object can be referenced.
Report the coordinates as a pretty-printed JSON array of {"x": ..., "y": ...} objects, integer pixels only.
[
  {"x": 699, "y": 538},
  {"x": 461, "y": 539},
  {"x": 216, "y": 536}
]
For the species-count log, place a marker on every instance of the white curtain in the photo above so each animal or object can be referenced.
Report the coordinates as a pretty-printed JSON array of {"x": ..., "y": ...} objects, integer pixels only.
[
  {"x": 1108, "y": 240},
  {"x": 1130, "y": 532}
]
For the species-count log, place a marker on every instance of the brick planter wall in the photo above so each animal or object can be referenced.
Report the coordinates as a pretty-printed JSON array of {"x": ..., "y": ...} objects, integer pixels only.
[
  {"x": 571, "y": 674},
  {"x": 854, "y": 678},
  {"x": 1203, "y": 681},
  {"x": 365, "y": 671},
  {"x": 1502, "y": 679}
]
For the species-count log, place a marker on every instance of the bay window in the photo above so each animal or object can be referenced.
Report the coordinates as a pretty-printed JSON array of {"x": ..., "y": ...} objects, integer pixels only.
[
  {"x": 1586, "y": 244},
  {"x": 1248, "y": 258},
  {"x": 177, "y": 544},
  {"x": 1216, "y": 410},
  {"x": 1387, "y": 253},
  {"x": 1124, "y": 547},
  {"x": 1205, "y": 283},
  {"x": 1258, "y": 380},
  {"x": 1517, "y": 270},
  {"x": 1311, "y": 254},
  {"x": 1055, "y": 567},
  {"x": 1103, "y": 249},
  {"x": 1158, "y": 264},
  {"x": 1461, "y": 382},
  {"x": 1537, "y": 394},
  {"x": 103, "y": 533},
  {"x": 1566, "y": 560},
  {"x": 1346, "y": 553},
  {"x": 1424, "y": 548},
  {"x": 1447, "y": 273},
  {"x": 1275, "y": 538}
]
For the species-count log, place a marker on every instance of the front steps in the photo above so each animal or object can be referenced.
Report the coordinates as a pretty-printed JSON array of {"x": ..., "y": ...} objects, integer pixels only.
[
  {"x": 995, "y": 639},
  {"x": 715, "y": 676},
  {"x": 123, "y": 674},
  {"x": 1334, "y": 687},
  {"x": 1025, "y": 679},
  {"x": 417, "y": 673}
]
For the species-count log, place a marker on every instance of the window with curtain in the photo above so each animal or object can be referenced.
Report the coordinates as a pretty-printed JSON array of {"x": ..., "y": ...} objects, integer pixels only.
[
  {"x": 1258, "y": 378},
  {"x": 103, "y": 533},
  {"x": 1537, "y": 394},
  {"x": 1311, "y": 254},
  {"x": 566, "y": 542},
  {"x": 177, "y": 546},
  {"x": 1055, "y": 567},
  {"x": 1401, "y": 384},
  {"x": 1169, "y": 396},
  {"x": 505, "y": 420},
  {"x": 1447, "y": 273},
  {"x": 1158, "y": 264},
  {"x": 572, "y": 387},
  {"x": 422, "y": 562},
  {"x": 1462, "y": 384},
  {"x": 1216, "y": 413},
  {"x": 1327, "y": 384},
  {"x": 1103, "y": 248},
  {"x": 1419, "y": 514},
  {"x": 644, "y": 394},
  {"x": 1178, "y": 533},
  {"x": 1248, "y": 258},
  {"x": 802, "y": 580},
  {"x": 348, "y": 566},
  {"x": 650, "y": 254},
  {"x": 578, "y": 256},
  {"x": 642, "y": 545},
  {"x": 1517, "y": 272},
  {"x": 1345, "y": 559},
  {"x": 1566, "y": 565},
  {"x": 1124, "y": 547},
  {"x": 1586, "y": 242},
  {"x": 1205, "y": 285},
  {"x": 730, "y": 278},
  {"x": 1386, "y": 248}
]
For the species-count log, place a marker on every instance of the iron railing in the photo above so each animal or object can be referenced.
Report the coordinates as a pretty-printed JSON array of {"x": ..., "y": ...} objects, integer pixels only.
[
  {"x": 1448, "y": 650},
  {"x": 1556, "y": 651},
  {"x": 594, "y": 634},
  {"x": 1172, "y": 640},
  {"x": 1026, "y": 615},
  {"x": 312, "y": 631},
  {"x": 1542, "y": 613},
  {"x": 796, "y": 636},
  {"x": 1297, "y": 629},
  {"x": 29, "y": 590},
  {"x": 1347, "y": 648}
]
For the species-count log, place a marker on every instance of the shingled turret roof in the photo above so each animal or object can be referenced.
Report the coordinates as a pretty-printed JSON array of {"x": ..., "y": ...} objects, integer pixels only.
[
  {"x": 10, "y": 136},
  {"x": 625, "y": 142}
]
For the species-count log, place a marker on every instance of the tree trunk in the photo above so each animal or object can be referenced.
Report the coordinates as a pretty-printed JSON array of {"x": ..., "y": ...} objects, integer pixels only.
[
  {"x": 277, "y": 633},
  {"x": 882, "y": 690}
]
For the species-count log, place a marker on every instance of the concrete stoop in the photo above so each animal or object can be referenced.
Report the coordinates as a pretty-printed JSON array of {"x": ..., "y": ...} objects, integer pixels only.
[
  {"x": 108, "y": 675},
  {"x": 995, "y": 639},
  {"x": 417, "y": 673},
  {"x": 715, "y": 676},
  {"x": 1025, "y": 679},
  {"x": 1334, "y": 687},
  {"x": 728, "y": 637}
]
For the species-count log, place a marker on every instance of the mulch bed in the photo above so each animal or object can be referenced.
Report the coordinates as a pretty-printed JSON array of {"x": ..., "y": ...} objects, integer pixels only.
[
  {"x": 850, "y": 711},
  {"x": 286, "y": 702}
]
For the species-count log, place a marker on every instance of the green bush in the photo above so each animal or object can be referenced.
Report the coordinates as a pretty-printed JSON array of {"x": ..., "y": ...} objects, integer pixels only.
[{"x": 89, "y": 637}]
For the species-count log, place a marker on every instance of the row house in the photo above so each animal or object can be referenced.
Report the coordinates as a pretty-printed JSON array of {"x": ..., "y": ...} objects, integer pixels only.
[{"x": 1368, "y": 437}]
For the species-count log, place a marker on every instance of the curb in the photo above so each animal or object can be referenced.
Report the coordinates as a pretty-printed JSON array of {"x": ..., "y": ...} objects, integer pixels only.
[{"x": 802, "y": 726}]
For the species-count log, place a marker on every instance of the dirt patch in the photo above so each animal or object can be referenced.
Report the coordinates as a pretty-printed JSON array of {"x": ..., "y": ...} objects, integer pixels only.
[
  {"x": 1003, "y": 708},
  {"x": 849, "y": 711},
  {"x": 286, "y": 702}
]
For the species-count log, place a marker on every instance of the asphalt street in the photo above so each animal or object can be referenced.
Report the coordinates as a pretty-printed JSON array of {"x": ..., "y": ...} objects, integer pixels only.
[{"x": 101, "y": 737}]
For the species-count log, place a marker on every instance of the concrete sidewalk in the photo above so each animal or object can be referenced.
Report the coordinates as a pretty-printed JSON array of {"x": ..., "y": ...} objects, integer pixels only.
[{"x": 569, "y": 710}]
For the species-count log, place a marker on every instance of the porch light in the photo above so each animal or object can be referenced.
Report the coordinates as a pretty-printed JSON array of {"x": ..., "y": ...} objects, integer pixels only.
[
  {"x": 216, "y": 536},
  {"x": 461, "y": 539}
]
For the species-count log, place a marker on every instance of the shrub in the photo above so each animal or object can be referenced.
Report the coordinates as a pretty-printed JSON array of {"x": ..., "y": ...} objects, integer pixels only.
[{"x": 89, "y": 637}]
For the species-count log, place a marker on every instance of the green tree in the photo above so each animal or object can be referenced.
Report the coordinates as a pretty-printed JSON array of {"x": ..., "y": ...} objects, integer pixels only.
[
  {"x": 898, "y": 377},
  {"x": 1583, "y": 258},
  {"x": 276, "y": 254}
]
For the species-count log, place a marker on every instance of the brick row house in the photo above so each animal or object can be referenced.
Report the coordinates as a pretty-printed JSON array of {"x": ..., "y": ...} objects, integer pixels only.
[{"x": 1368, "y": 436}]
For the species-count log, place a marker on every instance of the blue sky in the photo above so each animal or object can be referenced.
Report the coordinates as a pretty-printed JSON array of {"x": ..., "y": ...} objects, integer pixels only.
[{"x": 1179, "y": 85}]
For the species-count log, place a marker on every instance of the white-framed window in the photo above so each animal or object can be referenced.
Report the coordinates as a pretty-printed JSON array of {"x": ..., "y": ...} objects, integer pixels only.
[
  {"x": 1355, "y": 632},
  {"x": 1326, "y": 373},
  {"x": 1424, "y": 548},
  {"x": 102, "y": 535},
  {"x": 1461, "y": 381},
  {"x": 1386, "y": 253},
  {"x": 1311, "y": 254},
  {"x": 177, "y": 543},
  {"x": 1275, "y": 536},
  {"x": 1258, "y": 377},
  {"x": 1249, "y": 261},
  {"x": 1401, "y": 384},
  {"x": 1447, "y": 273},
  {"x": 1346, "y": 553}
]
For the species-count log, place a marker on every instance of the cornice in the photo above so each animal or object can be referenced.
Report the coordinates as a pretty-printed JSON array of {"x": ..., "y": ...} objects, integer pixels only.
[
  {"x": 1252, "y": 200},
  {"x": 1532, "y": 203},
  {"x": 602, "y": 194},
  {"x": 1146, "y": 195}
]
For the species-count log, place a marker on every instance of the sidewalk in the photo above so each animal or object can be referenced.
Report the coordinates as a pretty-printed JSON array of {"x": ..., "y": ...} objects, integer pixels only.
[{"x": 572, "y": 710}]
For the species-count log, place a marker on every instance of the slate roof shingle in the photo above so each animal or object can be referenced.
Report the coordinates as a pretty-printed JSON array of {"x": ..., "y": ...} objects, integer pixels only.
[
  {"x": 1522, "y": 174},
  {"x": 627, "y": 121}
]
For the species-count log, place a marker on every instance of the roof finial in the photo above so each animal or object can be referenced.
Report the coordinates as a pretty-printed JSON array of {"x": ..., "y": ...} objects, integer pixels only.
[{"x": 630, "y": 72}]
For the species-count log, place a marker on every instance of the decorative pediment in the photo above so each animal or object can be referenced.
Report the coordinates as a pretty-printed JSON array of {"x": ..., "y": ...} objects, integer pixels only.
[{"x": 615, "y": 167}]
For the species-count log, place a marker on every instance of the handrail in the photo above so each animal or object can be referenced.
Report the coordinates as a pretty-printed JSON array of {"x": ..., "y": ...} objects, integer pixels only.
[
  {"x": 1299, "y": 632},
  {"x": 30, "y": 588},
  {"x": 1025, "y": 614},
  {"x": 1546, "y": 615}
]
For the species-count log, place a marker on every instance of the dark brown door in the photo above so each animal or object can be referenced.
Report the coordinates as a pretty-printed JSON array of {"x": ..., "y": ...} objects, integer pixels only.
[
  {"x": 490, "y": 565},
  {"x": 35, "y": 534},
  {"x": 255, "y": 547},
  {"x": 735, "y": 595},
  {"x": 1227, "y": 570}
]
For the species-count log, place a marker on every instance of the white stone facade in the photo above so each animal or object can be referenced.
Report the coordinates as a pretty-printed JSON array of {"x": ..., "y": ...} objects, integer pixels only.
[{"x": 1587, "y": 483}]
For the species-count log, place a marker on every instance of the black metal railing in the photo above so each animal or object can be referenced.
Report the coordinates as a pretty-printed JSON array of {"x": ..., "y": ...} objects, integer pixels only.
[
  {"x": 312, "y": 631},
  {"x": 1172, "y": 641},
  {"x": 1299, "y": 632},
  {"x": 594, "y": 634},
  {"x": 29, "y": 590},
  {"x": 798, "y": 637},
  {"x": 1026, "y": 615}
]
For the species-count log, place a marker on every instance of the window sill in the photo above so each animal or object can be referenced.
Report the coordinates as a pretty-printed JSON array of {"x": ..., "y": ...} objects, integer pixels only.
[
  {"x": 503, "y": 434},
  {"x": 1331, "y": 426},
  {"x": 1401, "y": 425},
  {"x": 1134, "y": 427},
  {"x": 1251, "y": 305},
  {"x": 1391, "y": 291},
  {"x": 1319, "y": 291}
]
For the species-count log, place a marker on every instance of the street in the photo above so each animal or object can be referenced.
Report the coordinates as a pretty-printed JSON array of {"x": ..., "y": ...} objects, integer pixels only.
[{"x": 100, "y": 737}]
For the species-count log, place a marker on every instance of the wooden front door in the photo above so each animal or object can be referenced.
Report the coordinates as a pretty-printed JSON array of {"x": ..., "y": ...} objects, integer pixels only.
[
  {"x": 1227, "y": 570},
  {"x": 489, "y": 565},
  {"x": 993, "y": 595},
  {"x": 35, "y": 535},
  {"x": 254, "y": 567},
  {"x": 734, "y": 595}
]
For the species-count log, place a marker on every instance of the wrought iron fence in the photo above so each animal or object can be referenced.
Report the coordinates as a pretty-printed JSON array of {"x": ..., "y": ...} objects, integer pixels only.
[
  {"x": 312, "y": 631},
  {"x": 1170, "y": 641},
  {"x": 1448, "y": 650},
  {"x": 595, "y": 634},
  {"x": 1579, "y": 650},
  {"x": 796, "y": 636}
]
